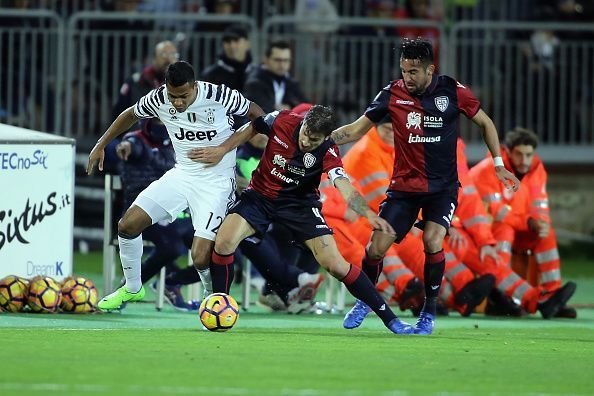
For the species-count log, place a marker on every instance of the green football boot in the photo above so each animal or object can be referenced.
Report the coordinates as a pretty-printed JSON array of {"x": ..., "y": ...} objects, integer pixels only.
[{"x": 118, "y": 297}]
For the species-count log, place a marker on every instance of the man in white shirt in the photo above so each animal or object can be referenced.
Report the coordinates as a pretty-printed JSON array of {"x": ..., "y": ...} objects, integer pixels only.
[{"x": 196, "y": 114}]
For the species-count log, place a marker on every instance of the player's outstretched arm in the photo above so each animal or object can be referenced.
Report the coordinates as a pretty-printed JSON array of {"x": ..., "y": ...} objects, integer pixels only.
[
  {"x": 121, "y": 124},
  {"x": 492, "y": 140},
  {"x": 353, "y": 131},
  {"x": 357, "y": 203},
  {"x": 213, "y": 155}
]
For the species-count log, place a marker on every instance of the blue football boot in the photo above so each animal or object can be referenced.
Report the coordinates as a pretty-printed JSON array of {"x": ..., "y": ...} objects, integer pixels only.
[
  {"x": 399, "y": 327},
  {"x": 356, "y": 315},
  {"x": 425, "y": 324}
]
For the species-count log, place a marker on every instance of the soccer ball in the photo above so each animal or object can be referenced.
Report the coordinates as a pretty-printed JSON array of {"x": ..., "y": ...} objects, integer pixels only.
[
  {"x": 13, "y": 293},
  {"x": 218, "y": 312},
  {"x": 79, "y": 295},
  {"x": 44, "y": 295}
]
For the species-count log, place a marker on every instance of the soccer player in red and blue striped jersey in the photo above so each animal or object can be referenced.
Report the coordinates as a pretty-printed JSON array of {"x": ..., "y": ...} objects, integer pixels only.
[
  {"x": 424, "y": 109},
  {"x": 284, "y": 189}
]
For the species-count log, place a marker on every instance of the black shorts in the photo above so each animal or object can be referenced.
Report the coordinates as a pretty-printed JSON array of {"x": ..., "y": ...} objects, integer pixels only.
[
  {"x": 303, "y": 217},
  {"x": 401, "y": 209}
]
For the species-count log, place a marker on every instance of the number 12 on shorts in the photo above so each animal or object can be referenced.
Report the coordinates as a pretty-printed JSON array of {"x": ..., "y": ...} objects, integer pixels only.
[{"x": 218, "y": 220}]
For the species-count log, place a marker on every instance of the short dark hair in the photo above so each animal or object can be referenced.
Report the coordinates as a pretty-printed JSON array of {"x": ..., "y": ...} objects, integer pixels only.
[
  {"x": 281, "y": 44},
  {"x": 320, "y": 120},
  {"x": 235, "y": 32},
  {"x": 519, "y": 137},
  {"x": 418, "y": 48},
  {"x": 180, "y": 73}
]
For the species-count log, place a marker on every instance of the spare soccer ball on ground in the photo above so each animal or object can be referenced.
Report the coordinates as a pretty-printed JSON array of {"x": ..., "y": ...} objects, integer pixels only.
[
  {"x": 13, "y": 293},
  {"x": 218, "y": 312},
  {"x": 79, "y": 295},
  {"x": 44, "y": 295}
]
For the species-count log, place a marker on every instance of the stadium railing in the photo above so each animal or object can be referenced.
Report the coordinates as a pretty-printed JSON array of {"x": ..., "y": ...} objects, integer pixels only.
[
  {"x": 106, "y": 48},
  {"x": 539, "y": 77},
  {"x": 31, "y": 69}
]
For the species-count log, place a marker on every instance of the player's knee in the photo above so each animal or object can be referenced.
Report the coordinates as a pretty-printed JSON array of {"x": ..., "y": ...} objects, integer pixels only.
[
  {"x": 432, "y": 241},
  {"x": 334, "y": 264},
  {"x": 127, "y": 229},
  {"x": 225, "y": 245}
]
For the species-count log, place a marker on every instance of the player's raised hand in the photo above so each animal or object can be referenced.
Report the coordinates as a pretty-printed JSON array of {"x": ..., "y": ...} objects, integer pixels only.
[
  {"x": 509, "y": 180},
  {"x": 380, "y": 224},
  {"x": 207, "y": 155},
  {"x": 97, "y": 154},
  {"x": 123, "y": 150}
]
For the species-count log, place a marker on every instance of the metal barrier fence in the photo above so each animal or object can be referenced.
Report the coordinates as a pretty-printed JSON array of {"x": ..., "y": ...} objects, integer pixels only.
[
  {"x": 31, "y": 59},
  {"x": 65, "y": 78},
  {"x": 534, "y": 75},
  {"x": 102, "y": 54},
  {"x": 347, "y": 70}
]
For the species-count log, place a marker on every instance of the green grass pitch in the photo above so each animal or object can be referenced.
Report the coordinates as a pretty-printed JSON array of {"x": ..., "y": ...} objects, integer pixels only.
[{"x": 145, "y": 352}]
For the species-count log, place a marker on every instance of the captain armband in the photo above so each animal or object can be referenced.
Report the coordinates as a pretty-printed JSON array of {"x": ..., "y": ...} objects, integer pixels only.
[
  {"x": 336, "y": 173},
  {"x": 261, "y": 126}
]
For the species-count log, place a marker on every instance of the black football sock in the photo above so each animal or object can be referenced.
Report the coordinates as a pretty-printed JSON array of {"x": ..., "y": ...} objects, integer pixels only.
[
  {"x": 361, "y": 287},
  {"x": 372, "y": 267},
  {"x": 433, "y": 271},
  {"x": 221, "y": 271},
  {"x": 185, "y": 276}
]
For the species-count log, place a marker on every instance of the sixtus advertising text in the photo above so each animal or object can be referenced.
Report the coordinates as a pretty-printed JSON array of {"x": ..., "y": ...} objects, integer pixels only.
[{"x": 16, "y": 223}]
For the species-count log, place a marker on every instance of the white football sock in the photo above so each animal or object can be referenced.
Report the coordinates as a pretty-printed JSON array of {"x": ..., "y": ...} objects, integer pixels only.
[
  {"x": 206, "y": 280},
  {"x": 130, "y": 255}
]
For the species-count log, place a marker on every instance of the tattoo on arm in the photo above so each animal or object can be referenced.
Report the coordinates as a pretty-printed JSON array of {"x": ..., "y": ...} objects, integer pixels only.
[
  {"x": 358, "y": 204},
  {"x": 340, "y": 135}
]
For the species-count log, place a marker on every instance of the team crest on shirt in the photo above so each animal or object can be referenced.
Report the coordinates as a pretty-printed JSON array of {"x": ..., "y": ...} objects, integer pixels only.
[
  {"x": 210, "y": 117},
  {"x": 192, "y": 117},
  {"x": 442, "y": 102},
  {"x": 309, "y": 160},
  {"x": 413, "y": 120}
]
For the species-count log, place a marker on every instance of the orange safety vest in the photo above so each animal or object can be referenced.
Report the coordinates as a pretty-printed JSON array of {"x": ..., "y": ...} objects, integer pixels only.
[{"x": 531, "y": 199}]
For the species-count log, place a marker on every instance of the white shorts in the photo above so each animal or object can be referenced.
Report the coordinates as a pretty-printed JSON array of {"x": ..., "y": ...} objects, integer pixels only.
[{"x": 208, "y": 196}]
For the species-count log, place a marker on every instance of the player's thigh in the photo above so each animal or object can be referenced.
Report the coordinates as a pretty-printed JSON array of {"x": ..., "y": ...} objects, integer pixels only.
[
  {"x": 438, "y": 210},
  {"x": 401, "y": 212},
  {"x": 233, "y": 230},
  {"x": 134, "y": 221},
  {"x": 209, "y": 200},
  {"x": 326, "y": 253},
  {"x": 164, "y": 198}
]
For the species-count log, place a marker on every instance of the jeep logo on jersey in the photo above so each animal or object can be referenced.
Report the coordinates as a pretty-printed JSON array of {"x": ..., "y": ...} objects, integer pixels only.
[
  {"x": 423, "y": 139},
  {"x": 195, "y": 135},
  {"x": 309, "y": 160},
  {"x": 413, "y": 120},
  {"x": 442, "y": 102},
  {"x": 279, "y": 160},
  {"x": 210, "y": 116}
]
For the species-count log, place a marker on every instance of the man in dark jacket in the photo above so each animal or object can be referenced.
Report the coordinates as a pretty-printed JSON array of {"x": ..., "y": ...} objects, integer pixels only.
[
  {"x": 151, "y": 77},
  {"x": 270, "y": 85},
  {"x": 234, "y": 63}
]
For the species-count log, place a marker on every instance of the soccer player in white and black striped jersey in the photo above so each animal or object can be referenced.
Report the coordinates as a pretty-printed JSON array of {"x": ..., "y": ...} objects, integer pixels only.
[{"x": 196, "y": 114}]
